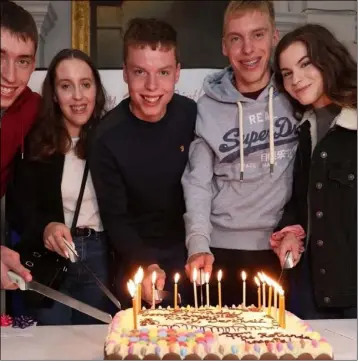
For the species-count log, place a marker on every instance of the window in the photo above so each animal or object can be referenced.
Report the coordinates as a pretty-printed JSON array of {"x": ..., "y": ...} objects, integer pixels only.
[{"x": 198, "y": 23}]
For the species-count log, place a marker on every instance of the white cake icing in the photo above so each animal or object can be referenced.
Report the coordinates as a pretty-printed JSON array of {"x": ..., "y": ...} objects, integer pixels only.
[{"x": 230, "y": 331}]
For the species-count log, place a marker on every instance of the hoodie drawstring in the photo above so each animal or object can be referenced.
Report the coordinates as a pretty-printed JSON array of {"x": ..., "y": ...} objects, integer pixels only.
[
  {"x": 241, "y": 136},
  {"x": 272, "y": 139},
  {"x": 271, "y": 135}
]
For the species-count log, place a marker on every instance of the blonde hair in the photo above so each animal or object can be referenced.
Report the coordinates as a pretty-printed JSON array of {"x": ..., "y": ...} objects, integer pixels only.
[{"x": 240, "y": 6}]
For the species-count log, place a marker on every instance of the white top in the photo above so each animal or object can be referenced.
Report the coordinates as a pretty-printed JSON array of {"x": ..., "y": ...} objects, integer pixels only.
[{"x": 70, "y": 188}]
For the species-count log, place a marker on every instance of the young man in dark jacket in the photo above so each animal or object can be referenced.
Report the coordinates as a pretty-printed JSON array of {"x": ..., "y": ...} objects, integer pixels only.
[{"x": 139, "y": 155}]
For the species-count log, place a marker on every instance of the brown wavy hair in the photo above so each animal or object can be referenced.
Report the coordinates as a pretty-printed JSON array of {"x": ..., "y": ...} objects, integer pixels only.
[
  {"x": 49, "y": 134},
  {"x": 330, "y": 57}
]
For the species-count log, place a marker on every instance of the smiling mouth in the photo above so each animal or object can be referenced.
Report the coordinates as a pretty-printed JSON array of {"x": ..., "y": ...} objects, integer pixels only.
[
  {"x": 301, "y": 90},
  {"x": 250, "y": 64},
  {"x": 151, "y": 99},
  {"x": 79, "y": 109},
  {"x": 7, "y": 90}
]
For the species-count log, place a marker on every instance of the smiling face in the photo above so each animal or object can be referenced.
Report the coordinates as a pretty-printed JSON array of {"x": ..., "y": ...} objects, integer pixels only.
[
  {"x": 247, "y": 42},
  {"x": 151, "y": 76},
  {"x": 75, "y": 93},
  {"x": 17, "y": 65},
  {"x": 301, "y": 79}
]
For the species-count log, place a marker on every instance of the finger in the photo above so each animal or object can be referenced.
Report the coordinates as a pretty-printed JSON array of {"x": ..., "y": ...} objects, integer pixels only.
[
  {"x": 67, "y": 235},
  {"x": 22, "y": 271},
  {"x": 48, "y": 245},
  {"x": 54, "y": 245},
  {"x": 61, "y": 245},
  {"x": 208, "y": 265},
  {"x": 160, "y": 282}
]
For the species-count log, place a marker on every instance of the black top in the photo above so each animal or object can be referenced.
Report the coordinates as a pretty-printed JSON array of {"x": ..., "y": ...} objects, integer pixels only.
[{"x": 136, "y": 168}]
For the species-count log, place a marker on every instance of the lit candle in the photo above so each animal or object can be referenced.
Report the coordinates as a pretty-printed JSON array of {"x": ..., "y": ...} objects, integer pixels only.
[
  {"x": 207, "y": 278},
  {"x": 176, "y": 279},
  {"x": 282, "y": 311},
  {"x": 154, "y": 279},
  {"x": 243, "y": 277},
  {"x": 258, "y": 292},
  {"x": 275, "y": 286},
  {"x": 262, "y": 279},
  {"x": 138, "y": 278},
  {"x": 220, "y": 274},
  {"x": 269, "y": 283},
  {"x": 195, "y": 275},
  {"x": 131, "y": 288}
]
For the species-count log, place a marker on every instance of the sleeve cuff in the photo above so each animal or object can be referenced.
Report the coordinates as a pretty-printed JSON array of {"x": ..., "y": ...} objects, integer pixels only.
[{"x": 197, "y": 244}]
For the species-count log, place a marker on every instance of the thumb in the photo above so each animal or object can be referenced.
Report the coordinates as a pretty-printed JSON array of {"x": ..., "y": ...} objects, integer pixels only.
[{"x": 23, "y": 272}]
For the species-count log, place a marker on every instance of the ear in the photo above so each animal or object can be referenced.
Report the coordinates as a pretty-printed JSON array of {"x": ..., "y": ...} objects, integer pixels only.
[
  {"x": 276, "y": 37},
  {"x": 223, "y": 47},
  {"x": 125, "y": 74},
  {"x": 177, "y": 73}
]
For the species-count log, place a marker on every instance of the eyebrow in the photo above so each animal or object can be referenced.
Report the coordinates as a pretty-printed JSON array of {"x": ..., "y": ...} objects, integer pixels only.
[
  {"x": 252, "y": 31},
  {"x": 70, "y": 80},
  {"x": 22, "y": 56},
  {"x": 305, "y": 56}
]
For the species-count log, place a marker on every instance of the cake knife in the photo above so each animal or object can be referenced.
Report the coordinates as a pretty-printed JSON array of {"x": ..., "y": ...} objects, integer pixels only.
[
  {"x": 60, "y": 297},
  {"x": 288, "y": 263},
  {"x": 75, "y": 258}
]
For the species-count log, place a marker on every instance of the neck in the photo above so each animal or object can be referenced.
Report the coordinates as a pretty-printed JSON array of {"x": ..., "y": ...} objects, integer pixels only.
[
  {"x": 322, "y": 102},
  {"x": 146, "y": 118},
  {"x": 246, "y": 87}
]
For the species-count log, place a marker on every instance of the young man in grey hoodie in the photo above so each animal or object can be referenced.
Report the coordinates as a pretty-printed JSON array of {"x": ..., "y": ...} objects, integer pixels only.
[{"x": 239, "y": 174}]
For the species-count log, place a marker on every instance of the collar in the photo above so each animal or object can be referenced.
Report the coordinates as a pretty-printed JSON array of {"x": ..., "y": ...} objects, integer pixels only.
[{"x": 347, "y": 118}]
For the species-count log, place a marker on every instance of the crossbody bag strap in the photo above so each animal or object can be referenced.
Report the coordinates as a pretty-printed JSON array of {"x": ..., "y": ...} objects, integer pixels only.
[{"x": 79, "y": 199}]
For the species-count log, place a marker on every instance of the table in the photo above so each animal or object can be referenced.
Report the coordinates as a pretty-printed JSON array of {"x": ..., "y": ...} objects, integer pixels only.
[{"x": 86, "y": 342}]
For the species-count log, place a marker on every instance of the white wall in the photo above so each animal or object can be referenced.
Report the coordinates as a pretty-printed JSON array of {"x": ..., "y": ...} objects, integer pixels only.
[
  {"x": 343, "y": 24},
  {"x": 59, "y": 37}
]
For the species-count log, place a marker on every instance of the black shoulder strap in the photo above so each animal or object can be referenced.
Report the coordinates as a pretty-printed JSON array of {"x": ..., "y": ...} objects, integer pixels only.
[{"x": 79, "y": 199}]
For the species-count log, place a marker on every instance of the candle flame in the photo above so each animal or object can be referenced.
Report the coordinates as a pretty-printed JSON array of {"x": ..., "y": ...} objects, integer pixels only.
[
  {"x": 243, "y": 275},
  {"x": 268, "y": 280},
  {"x": 176, "y": 277},
  {"x": 280, "y": 291},
  {"x": 261, "y": 277},
  {"x": 257, "y": 281},
  {"x": 154, "y": 277},
  {"x": 138, "y": 278},
  {"x": 131, "y": 288},
  {"x": 220, "y": 274},
  {"x": 195, "y": 274},
  {"x": 207, "y": 277}
]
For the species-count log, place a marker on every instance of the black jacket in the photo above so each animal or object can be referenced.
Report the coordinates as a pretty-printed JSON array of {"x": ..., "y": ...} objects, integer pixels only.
[
  {"x": 39, "y": 198},
  {"x": 324, "y": 202}
]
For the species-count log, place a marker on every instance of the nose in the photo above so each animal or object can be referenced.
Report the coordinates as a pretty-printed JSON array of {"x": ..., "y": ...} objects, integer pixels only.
[
  {"x": 8, "y": 71},
  {"x": 77, "y": 93},
  {"x": 151, "y": 82},
  {"x": 248, "y": 46},
  {"x": 296, "y": 77}
]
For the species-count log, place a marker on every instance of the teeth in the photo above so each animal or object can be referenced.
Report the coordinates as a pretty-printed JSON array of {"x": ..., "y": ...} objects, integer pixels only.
[
  {"x": 251, "y": 63},
  {"x": 78, "y": 108},
  {"x": 151, "y": 99},
  {"x": 6, "y": 90}
]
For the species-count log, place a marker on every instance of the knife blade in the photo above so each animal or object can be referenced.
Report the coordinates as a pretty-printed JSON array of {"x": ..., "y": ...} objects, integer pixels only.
[
  {"x": 105, "y": 290},
  {"x": 60, "y": 297},
  {"x": 202, "y": 280},
  {"x": 166, "y": 295},
  {"x": 288, "y": 263}
]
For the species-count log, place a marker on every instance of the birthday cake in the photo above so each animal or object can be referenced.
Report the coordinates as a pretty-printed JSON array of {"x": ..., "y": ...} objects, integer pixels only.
[{"x": 210, "y": 333}]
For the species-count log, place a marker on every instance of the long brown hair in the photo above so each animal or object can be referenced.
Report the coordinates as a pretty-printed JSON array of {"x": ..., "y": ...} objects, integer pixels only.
[
  {"x": 49, "y": 134},
  {"x": 330, "y": 57}
]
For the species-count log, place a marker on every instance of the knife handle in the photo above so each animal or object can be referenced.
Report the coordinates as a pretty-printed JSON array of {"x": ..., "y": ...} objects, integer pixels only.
[{"x": 18, "y": 280}]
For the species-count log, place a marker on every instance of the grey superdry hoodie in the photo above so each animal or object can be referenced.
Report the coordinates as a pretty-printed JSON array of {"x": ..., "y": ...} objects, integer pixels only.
[{"x": 221, "y": 210}]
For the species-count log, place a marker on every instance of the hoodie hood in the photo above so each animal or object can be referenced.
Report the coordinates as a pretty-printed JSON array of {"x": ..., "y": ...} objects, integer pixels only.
[{"x": 219, "y": 86}]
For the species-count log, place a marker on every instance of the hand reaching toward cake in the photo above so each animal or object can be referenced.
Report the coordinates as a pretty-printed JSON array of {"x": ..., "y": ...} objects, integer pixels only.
[
  {"x": 199, "y": 261},
  {"x": 53, "y": 238},
  {"x": 290, "y": 243},
  {"x": 147, "y": 282}
]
